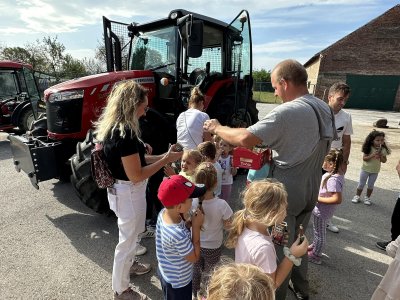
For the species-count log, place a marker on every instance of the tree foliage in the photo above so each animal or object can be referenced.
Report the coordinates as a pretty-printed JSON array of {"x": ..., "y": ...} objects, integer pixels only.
[
  {"x": 49, "y": 56},
  {"x": 261, "y": 75}
]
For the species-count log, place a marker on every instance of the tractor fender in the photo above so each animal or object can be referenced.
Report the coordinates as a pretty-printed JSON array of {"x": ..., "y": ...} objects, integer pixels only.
[{"x": 18, "y": 111}]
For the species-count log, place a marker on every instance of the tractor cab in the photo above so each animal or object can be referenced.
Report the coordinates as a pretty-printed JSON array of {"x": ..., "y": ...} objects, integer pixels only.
[
  {"x": 186, "y": 50},
  {"x": 19, "y": 96}
]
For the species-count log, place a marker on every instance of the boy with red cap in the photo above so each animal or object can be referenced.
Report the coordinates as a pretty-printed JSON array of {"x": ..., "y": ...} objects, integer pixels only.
[{"x": 176, "y": 248}]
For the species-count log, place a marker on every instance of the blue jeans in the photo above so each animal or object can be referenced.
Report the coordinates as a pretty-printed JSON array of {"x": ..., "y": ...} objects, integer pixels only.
[{"x": 170, "y": 293}]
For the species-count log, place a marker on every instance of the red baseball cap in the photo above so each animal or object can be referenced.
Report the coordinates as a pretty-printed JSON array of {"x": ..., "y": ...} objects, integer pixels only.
[{"x": 176, "y": 189}]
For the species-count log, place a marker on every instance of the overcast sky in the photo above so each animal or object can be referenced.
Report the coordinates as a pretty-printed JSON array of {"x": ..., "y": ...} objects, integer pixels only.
[{"x": 280, "y": 29}]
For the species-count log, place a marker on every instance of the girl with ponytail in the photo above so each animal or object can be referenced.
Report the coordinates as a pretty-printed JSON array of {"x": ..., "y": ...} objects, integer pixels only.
[
  {"x": 265, "y": 203},
  {"x": 330, "y": 196}
]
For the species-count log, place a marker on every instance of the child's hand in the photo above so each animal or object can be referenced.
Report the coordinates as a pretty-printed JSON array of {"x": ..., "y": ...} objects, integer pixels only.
[
  {"x": 297, "y": 249},
  {"x": 377, "y": 155},
  {"x": 197, "y": 219},
  {"x": 234, "y": 171},
  {"x": 169, "y": 170}
]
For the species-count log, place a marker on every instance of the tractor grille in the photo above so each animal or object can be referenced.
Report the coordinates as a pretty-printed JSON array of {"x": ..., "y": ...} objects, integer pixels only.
[{"x": 64, "y": 117}]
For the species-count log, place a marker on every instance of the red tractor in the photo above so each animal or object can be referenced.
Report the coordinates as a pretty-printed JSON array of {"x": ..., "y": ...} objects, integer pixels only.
[
  {"x": 169, "y": 57},
  {"x": 19, "y": 96}
]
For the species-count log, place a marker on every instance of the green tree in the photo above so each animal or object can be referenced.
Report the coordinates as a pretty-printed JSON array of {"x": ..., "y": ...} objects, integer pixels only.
[
  {"x": 94, "y": 65},
  {"x": 53, "y": 52},
  {"x": 28, "y": 54},
  {"x": 262, "y": 75},
  {"x": 72, "y": 68}
]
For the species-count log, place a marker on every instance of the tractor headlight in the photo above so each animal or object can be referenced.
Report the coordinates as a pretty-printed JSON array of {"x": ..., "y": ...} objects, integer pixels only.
[{"x": 65, "y": 96}]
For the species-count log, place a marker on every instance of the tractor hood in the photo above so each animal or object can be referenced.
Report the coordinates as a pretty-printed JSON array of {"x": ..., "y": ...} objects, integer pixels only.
[{"x": 100, "y": 80}]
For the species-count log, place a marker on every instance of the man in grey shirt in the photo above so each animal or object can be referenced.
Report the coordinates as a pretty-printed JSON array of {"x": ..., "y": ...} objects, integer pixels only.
[{"x": 299, "y": 132}]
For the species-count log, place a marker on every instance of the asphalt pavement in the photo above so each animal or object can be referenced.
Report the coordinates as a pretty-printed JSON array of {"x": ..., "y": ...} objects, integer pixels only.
[{"x": 53, "y": 247}]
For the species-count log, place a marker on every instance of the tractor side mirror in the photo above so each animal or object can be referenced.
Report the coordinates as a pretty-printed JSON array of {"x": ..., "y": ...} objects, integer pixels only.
[{"x": 194, "y": 30}]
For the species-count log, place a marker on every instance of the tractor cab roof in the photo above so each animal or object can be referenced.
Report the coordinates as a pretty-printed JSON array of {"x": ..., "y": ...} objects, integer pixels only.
[
  {"x": 9, "y": 64},
  {"x": 173, "y": 18}
]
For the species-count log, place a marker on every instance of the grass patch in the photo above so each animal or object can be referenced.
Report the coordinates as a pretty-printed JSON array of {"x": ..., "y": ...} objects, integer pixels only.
[{"x": 265, "y": 97}]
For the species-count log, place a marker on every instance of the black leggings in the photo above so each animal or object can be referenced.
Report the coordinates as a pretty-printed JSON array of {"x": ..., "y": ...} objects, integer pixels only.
[
  {"x": 396, "y": 220},
  {"x": 153, "y": 203}
]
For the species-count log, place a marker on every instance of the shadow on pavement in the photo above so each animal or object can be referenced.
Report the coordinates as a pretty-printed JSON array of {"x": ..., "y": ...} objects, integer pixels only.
[
  {"x": 5, "y": 150},
  {"x": 352, "y": 264}
]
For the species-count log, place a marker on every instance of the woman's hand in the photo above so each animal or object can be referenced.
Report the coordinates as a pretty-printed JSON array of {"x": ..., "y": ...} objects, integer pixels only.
[
  {"x": 171, "y": 155},
  {"x": 149, "y": 149},
  {"x": 297, "y": 249}
]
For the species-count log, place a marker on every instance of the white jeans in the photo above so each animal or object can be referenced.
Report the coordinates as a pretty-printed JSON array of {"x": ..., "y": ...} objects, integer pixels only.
[{"x": 128, "y": 201}]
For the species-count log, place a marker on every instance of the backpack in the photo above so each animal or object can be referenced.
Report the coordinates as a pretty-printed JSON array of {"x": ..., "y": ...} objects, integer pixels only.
[{"x": 100, "y": 172}]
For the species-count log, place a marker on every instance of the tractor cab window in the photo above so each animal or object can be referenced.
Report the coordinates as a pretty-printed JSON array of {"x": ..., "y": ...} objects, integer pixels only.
[
  {"x": 8, "y": 84},
  {"x": 32, "y": 89},
  {"x": 155, "y": 50},
  {"x": 212, "y": 53}
]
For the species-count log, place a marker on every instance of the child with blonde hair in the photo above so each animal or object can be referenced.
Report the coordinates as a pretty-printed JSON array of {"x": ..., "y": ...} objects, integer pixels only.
[
  {"x": 228, "y": 170},
  {"x": 265, "y": 203},
  {"x": 189, "y": 162},
  {"x": 209, "y": 152},
  {"x": 240, "y": 282},
  {"x": 217, "y": 216}
]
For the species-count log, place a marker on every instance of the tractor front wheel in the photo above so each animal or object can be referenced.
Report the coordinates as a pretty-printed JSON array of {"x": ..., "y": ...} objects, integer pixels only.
[{"x": 82, "y": 180}]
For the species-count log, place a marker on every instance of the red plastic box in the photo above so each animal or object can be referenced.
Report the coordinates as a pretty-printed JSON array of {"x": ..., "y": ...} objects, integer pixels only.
[{"x": 251, "y": 159}]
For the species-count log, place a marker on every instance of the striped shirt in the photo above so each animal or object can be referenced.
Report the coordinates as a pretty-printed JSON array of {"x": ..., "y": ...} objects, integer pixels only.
[{"x": 173, "y": 243}]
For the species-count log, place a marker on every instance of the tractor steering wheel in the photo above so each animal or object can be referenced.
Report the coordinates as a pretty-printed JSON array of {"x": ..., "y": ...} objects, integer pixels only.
[{"x": 197, "y": 76}]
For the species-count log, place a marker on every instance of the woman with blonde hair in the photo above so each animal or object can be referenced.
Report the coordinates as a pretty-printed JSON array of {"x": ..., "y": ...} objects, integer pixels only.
[
  {"x": 240, "y": 282},
  {"x": 118, "y": 130},
  {"x": 189, "y": 124},
  {"x": 265, "y": 203}
]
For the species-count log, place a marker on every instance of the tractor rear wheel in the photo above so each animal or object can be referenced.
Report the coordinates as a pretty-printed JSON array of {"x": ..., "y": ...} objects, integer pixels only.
[
  {"x": 82, "y": 180},
  {"x": 26, "y": 118}
]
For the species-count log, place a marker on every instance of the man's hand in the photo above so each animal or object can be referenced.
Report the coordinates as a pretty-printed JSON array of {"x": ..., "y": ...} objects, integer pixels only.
[
  {"x": 398, "y": 168},
  {"x": 211, "y": 125}
]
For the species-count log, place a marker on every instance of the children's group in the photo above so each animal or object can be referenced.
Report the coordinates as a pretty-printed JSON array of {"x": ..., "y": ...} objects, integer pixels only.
[{"x": 303, "y": 181}]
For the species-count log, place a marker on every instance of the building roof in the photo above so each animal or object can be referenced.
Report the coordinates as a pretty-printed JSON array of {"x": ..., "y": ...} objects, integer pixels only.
[{"x": 394, "y": 10}]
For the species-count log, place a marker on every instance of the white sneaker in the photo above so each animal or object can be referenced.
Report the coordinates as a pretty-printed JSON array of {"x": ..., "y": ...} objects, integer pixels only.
[
  {"x": 332, "y": 228},
  {"x": 367, "y": 201},
  {"x": 149, "y": 233},
  {"x": 355, "y": 199},
  {"x": 140, "y": 250}
]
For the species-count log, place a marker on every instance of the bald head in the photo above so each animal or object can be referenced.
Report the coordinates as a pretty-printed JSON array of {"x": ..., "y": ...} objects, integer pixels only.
[{"x": 291, "y": 70}]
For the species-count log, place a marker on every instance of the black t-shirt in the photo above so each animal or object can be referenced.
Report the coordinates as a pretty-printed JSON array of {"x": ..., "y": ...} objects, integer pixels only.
[{"x": 117, "y": 147}]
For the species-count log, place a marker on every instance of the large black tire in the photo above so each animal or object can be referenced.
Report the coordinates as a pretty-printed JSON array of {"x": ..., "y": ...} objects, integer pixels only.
[
  {"x": 156, "y": 130},
  {"x": 252, "y": 111},
  {"x": 39, "y": 127},
  {"x": 25, "y": 120},
  {"x": 82, "y": 179}
]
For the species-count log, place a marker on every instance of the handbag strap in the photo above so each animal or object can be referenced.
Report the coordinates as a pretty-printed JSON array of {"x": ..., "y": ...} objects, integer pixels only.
[{"x": 187, "y": 128}]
